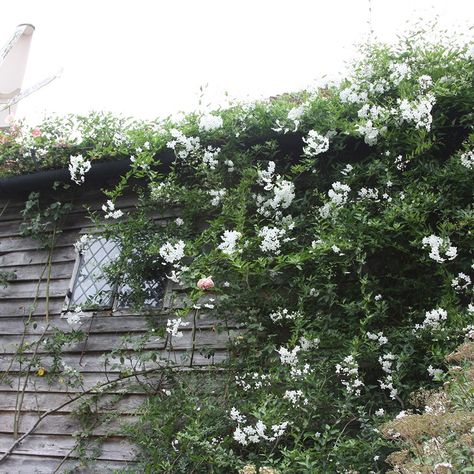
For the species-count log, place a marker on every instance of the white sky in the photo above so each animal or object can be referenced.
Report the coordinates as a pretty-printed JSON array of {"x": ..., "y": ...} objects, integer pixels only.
[{"x": 148, "y": 58}]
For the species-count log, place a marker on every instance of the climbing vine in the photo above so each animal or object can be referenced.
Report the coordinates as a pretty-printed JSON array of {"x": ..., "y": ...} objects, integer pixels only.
[{"x": 328, "y": 232}]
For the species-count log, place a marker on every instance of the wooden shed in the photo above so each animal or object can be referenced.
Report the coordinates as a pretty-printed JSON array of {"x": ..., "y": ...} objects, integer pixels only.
[{"x": 38, "y": 433}]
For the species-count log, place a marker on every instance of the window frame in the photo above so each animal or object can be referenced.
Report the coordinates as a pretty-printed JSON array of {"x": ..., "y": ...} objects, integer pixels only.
[{"x": 114, "y": 307}]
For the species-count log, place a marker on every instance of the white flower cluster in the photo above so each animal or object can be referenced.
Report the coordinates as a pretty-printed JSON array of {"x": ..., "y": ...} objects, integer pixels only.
[
  {"x": 387, "y": 384},
  {"x": 370, "y": 132},
  {"x": 369, "y": 193},
  {"x": 353, "y": 95},
  {"x": 282, "y": 196},
  {"x": 255, "y": 434},
  {"x": 172, "y": 253},
  {"x": 349, "y": 369},
  {"x": 295, "y": 397},
  {"x": 433, "y": 319},
  {"x": 289, "y": 357},
  {"x": 461, "y": 282},
  {"x": 467, "y": 160},
  {"x": 78, "y": 167},
  {"x": 398, "y": 72},
  {"x": 315, "y": 144},
  {"x": 253, "y": 381},
  {"x": 210, "y": 122},
  {"x": 379, "y": 337},
  {"x": 283, "y": 313},
  {"x": 73, "y": 318},
  {"x": 216, "y": 195},
  {"x": 293, "y": 118},
  {"x": 271, "y": 237},
  {"x": 417, "y": 112},
  {"x": 338, "y": 196},
  {"x": 209, "y": 157},
  {"x": 229, "y": 242},
  {"x": 173, "y": 325},
  {"x": 110, "y": 211},
  {"x": 182, "y": 145},
  {"x": 434, "y": 373},
  {"x": 439, "y": 245},
  {"x": 386, "y": 361},
  {"x": 82, "y": 243},
  {"x": 307, "y": 344}
]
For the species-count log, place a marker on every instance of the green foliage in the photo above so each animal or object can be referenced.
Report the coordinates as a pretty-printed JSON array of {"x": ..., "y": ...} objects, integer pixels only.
[{"x": 340, "y": 305}]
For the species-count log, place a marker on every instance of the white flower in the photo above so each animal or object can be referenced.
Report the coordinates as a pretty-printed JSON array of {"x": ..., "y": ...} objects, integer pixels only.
[
  {"x": 173, "y": 325},
  {"x": 295, "y": 396},
  {"x": 369, "y": 193},
  {"x": 210, "y": 157},
  {"x": 73, "y": 318},
  {"x": 439, "y": 245},
  {"x": 237, "y": 416},
  {"x": 433, "y": 319},
  {"x": 217, "y": 195},
  {"x": 78, "y": 167},
  {"x": 418, "y": 112},
  {"x": 467, "y": 160},
  {"x": 380, "y": 412},
  {"x": 178, "y": 221},
  {"x": 336, "y": 249},
  {"x": 210, "y": 122},
  {"x": 229, "y": 241},
  {"x": 461, "y": 282},
  {"x": 399, "y": 71},
  {"x": 315, "y": 144},
  {"x": 271, "y": 239},
  {"x": 434, "y": 373},
  {"x": 379, "y": 337},
  {"x": 283, "y": 313},
  {"x": 369, "y": 132},
  {"x": 172, "y": 253},
  {"x": 289, "y": 357},
  {"x": 110, "y": 211},
  {"x": 82, "y": 243},
  {"x": 349, "y": 370}
]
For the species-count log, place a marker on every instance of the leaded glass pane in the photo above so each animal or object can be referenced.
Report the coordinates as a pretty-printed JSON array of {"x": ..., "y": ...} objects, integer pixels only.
[{"x": 91, "y": 288}]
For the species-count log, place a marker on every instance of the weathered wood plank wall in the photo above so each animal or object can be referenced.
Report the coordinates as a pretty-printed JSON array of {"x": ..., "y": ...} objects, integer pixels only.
[{"x": 50, "y": 448}]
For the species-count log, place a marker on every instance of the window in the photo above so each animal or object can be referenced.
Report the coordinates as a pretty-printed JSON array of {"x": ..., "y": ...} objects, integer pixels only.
[{"x": 90, "y": 287}]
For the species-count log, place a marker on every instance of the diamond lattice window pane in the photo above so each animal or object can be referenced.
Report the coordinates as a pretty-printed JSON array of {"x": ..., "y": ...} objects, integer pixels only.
[{"x": 91, "y": 287}]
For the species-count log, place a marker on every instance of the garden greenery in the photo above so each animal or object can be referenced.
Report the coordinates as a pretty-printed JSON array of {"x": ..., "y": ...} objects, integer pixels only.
[{"x": 333, "y": 226}]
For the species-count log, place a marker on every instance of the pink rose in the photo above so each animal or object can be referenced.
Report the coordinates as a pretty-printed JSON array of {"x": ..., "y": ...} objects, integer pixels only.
[
  {"x": 205, "y": 283},
  {"x": 36, "y": 132}
]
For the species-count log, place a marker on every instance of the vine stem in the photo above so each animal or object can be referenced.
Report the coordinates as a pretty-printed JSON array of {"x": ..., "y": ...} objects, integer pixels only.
[
  {"x": 194, "y": 338},
  {"x": 21, "y": 395},
  {"x": 68, "y": 402}
]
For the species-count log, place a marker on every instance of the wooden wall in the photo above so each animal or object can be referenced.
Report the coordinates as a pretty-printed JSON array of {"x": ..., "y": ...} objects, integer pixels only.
[{"x": 50, "y": 448}]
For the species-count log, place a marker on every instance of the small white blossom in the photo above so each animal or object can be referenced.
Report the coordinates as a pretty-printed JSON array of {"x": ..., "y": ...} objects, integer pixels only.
[
  {"x": 173, "y": 325},
  {"x": 461, "y": 282},
  {"x": 229, "y": 242},
  {"x": 315, "y": 144},
  {"x": 78, "y": 167},
  {"x": 467, "y": 160},
  {"x": 271, "y": 237},
  {"x": 210, "y": 122},
  {"x": 172, "y": 253},
  {"x": 439, "y": 245},
  {"x": 110, "y": 211}
]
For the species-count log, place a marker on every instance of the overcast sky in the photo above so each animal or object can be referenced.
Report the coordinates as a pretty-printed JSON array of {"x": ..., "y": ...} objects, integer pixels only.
[{"x": 148, "y": 58}]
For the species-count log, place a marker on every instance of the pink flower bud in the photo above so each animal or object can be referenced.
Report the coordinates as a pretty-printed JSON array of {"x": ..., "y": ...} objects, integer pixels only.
[{"x": 205, "y": 283}]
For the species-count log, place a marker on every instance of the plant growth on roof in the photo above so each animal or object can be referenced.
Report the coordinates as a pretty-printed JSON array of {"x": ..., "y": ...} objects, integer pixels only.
[{"x": 335, "y": 226}]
